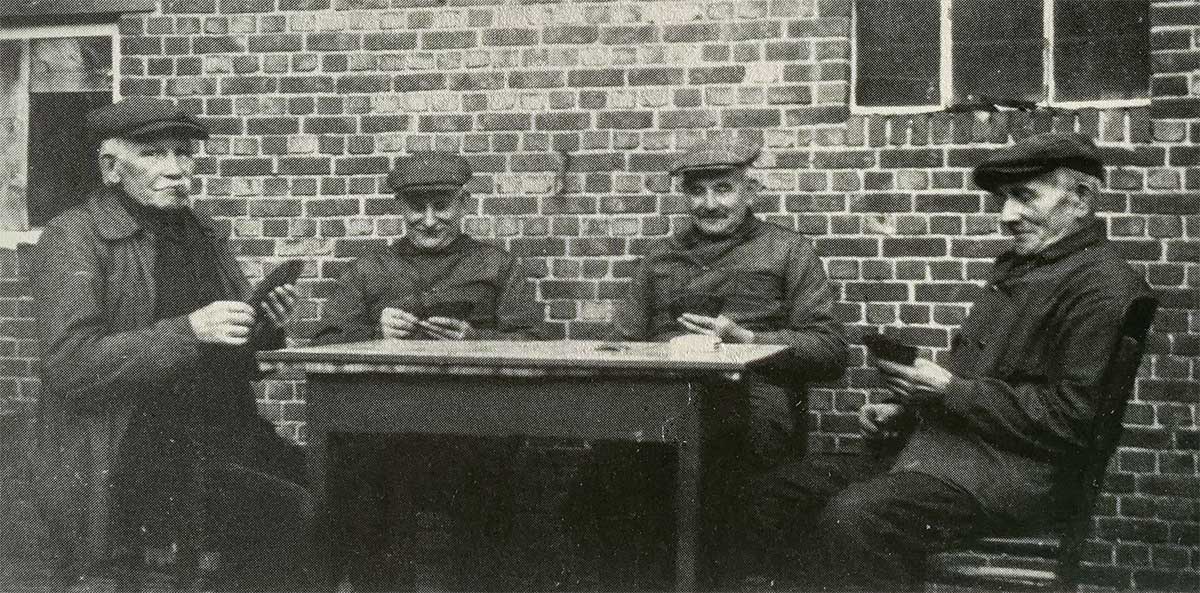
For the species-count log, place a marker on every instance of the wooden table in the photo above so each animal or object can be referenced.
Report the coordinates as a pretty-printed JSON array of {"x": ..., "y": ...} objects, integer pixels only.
[{"x": 587, "y": 390}]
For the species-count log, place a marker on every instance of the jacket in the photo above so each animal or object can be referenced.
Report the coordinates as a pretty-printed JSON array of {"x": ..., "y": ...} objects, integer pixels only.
[
  {"x": 101, "y": 351},
  {"x": 1028, "y": 364},
  {"x": 772, "y": 283},
  {"x": 406, "y": 278}
]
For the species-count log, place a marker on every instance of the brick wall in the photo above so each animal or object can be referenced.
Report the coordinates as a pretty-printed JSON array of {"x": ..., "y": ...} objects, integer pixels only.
[{"x": 570, "y": 113}]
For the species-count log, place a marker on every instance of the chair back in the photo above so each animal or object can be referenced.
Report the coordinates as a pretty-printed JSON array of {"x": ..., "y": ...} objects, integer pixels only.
[{"x": 1119, "y": 379}]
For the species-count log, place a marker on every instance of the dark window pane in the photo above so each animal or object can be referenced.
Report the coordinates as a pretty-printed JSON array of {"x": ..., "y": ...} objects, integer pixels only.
[
  {"x": 997, "y": 50},
  {"x": 898, "y": 47},
  {"x": 62, "y": 159},
  {"x": 1101, "y": 49}
]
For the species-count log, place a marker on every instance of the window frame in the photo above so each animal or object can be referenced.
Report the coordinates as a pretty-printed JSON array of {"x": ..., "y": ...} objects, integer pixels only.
[
  {"x": 11, "y": 239},
  {"x": 946, "y": 70}
]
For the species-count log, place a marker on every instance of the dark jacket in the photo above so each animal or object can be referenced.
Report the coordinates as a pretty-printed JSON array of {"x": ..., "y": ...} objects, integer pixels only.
[
  {"x": 772, "y": 283},
  {"x": 102, "y": 352},
  {"x": 1028, "y": 364},
  {"x": 400, "y": 276}
]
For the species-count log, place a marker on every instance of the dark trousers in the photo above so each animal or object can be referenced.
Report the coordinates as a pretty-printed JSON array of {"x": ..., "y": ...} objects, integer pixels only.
[
  {"x": 843, "y": 522},
  {"x": 622, "y": 508},
  {"x": 381, "y": 487}
]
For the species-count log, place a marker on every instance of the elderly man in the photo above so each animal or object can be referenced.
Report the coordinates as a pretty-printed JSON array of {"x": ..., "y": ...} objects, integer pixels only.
[
  {"x": 1016, "y": 398},
  {"x": 434, "y": 284},
  {"x": 737, "y": 279},
  {"x": 150, "y": 432}
]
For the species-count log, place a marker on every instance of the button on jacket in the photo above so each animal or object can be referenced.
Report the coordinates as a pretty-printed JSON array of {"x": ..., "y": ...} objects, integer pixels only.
[
  {"x": 407, "y": 278},
  {"x": 1028, "y": 362}
]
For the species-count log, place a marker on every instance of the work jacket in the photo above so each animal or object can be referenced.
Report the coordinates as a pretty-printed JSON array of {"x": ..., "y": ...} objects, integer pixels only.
[
  {"x": 403, "y": 277},
  {"x": 1028, "y": 367},
  {"x": 102, "y": 352},
  {"x": 771, "y": 282}
]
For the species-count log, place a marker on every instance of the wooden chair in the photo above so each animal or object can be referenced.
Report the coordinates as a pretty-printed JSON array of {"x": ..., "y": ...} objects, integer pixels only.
[{"x": 1050, "y": 560}]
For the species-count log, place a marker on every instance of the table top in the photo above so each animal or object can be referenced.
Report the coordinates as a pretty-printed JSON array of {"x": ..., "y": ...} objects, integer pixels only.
[{"x": 520, "y": 358}]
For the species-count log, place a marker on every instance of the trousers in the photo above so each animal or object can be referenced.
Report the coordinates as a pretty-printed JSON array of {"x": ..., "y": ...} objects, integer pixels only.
[
  {"x": 380, "y": 488},
  {"x": 621, "y": 508},
  {"x": 844, "y": 522}
]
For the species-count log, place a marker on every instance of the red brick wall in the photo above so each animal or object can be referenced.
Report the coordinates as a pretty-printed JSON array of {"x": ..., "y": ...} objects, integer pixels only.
[{"x": 311, "y": 100}]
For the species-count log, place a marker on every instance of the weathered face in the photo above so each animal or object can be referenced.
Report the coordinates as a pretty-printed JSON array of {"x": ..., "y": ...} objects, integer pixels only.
[
  {"x": 720, "y": 199},
  {"x": 1039, "y": 211},
  {"x": 155, "y": 173},
  {"x": 433, "y": 217}
]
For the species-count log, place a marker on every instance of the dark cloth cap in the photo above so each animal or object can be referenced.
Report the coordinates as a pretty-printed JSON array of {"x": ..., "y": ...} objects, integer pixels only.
[
  {"x": 1038, "y": 155},
  {"x": 716, "y": 155},
  {"x": 430, "y": 171},
  {"x": 144, "y": 118}
]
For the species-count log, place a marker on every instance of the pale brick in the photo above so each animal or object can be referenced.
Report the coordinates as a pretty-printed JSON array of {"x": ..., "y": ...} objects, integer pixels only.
[
  {"x": 386, "y": 103},
  {"x": 720, "y": 95},
  {"x": 449, "y": 18},
  {"x": 247, "y": 228},
  {"x": 395, "y": 20},
  {"x": 218, "y": 64},
  {"x": 627, "y": 183},
  {"x": 597, "y": 15},
  {"x": 537, "y": 183},
  {"x": 502, "y": 101},
  {"x": 477, "y": 226},
  {"x": 534, "y": 101},
  {"x": 912, "y": 180},
  {"x": 654, "y": 97},
  {"x": 508, "y": 183},
  {"x": 595, "y": 310},
  {"x": 392, "y": 142},
  {"x": 359, "y": 227},
  {"x": 622, "y": 99},
  {"x": 507, "y": 226},
  {"x": 625, "y": 226},
  {"x": 672, "y": 12},
  {"x": 304, "y": 246},
  {"x": 242, "y": 23},
  {"x": 595, "y": 56},
  {"x": 244, "y": 186},
  {"x": 720, "y": 11},
  {"x": 624, "y": 56},
  {"x": 420, "y": 61},
  {"x": 390, "y": 61},
  {"x": 477, "y": 59},
  {"x": 779, "y": 138},
  {"x": 763, "y": 72},
  {"x": 751, "y": 95}
]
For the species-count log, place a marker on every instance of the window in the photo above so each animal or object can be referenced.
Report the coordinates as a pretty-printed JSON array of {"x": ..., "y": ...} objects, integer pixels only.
[
  {"x": 50, "y": 77},
  {"x": 936, "y": 53}
]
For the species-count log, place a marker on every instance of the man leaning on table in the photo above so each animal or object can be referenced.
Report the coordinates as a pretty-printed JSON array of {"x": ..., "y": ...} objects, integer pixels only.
[
  {"x": 435, "y": 283},
  {"x": 737, "y": 279},
  {"x": 1001, "y": 422}
]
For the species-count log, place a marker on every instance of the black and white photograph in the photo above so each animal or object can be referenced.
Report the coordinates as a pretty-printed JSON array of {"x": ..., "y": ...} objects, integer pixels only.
[{"x": 599, "y": 296}]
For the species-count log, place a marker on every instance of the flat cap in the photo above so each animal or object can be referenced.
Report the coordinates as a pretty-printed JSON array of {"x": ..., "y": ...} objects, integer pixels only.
[
  {"x": 1038, "y": 155},
  {"x": 142, "y": 118},
  {"x": 716, "y": 154},
  {"x": 429, "y": 171}
]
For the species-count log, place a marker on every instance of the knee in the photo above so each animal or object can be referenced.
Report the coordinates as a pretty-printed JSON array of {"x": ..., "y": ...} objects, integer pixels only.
[{"x": 850, "y": 515}]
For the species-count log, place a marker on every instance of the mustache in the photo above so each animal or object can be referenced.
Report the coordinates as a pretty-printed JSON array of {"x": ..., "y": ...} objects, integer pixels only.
[{"x": 710, "y": 213}]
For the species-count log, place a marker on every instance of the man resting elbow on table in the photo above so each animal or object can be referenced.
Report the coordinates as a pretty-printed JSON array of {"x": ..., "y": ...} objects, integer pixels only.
[
  {"x": 736, "y": 278},
  {"x": 433, "y": 284}
]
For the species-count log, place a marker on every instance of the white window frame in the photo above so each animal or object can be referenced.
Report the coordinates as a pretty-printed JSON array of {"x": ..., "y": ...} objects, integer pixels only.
[
  {"x": 11, "y": 239},
  {"x": 946, "y": 70}
]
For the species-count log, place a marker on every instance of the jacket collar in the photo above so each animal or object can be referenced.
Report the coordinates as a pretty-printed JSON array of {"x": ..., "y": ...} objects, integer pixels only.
[
  {"x": 114, "y": 222},
  {"x": 1011, "y": 266}
]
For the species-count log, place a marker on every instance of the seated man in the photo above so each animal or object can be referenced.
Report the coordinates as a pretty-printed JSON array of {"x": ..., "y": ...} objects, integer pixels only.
[
  {"x": 150, "y": 431},
  {"x": 731, "y": 276},
  {"x": 1017, "y": 396},
  {"x": 434, "y": 284}
]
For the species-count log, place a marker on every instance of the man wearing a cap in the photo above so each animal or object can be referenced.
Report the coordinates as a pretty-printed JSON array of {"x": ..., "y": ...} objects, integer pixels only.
[
  {"x": 435, "y": 283},
  {"x": 997, "y": 425},
  {"x": 150, "y": 431},
  {"x": 764, "y": 284}
]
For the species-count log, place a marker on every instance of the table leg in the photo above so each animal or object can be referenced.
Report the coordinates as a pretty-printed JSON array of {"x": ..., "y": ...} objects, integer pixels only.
[
  {"x": 322, "y": 528},
  {"x": 687, "y": 495}
]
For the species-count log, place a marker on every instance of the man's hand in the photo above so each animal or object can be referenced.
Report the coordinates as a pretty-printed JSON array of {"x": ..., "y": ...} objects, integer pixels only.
[
  {"x": 922, "y": 383},
  {"x": 446, "y": 328},
  {"x": 223, "y": 322},
  {"x": 722, "y": 327},
  {"x": 280, "y": 304},
  {"x": 880, "y": 421},
  {"x": 397, "y": 324}
]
